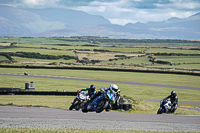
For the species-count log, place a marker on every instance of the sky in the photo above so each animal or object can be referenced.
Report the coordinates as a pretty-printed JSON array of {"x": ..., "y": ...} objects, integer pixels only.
[{"x": 119, "y": 11}]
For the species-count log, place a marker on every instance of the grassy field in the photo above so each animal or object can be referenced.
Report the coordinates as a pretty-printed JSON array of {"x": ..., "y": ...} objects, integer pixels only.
[
  {"x": 170, "y": 50},
  {"x": 135, "y": 92},
  {"x": 41, "y": 51},
  {"x": 106, "y": 52},
  {"x": 181, "y": 66},
  {"x": 171, "y": 79},
  {"x": 110, "y": 56}
]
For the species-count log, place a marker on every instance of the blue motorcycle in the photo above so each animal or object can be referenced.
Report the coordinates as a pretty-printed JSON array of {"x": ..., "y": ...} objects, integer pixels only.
[
  {"x": 165, "y": 106},
  {"x": 101, "y": 102}
]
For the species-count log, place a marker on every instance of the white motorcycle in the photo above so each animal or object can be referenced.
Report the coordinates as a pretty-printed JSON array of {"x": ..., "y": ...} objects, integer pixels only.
[
  {"x": 165, "y": 107},
  {"x": 79, "y": 100}
]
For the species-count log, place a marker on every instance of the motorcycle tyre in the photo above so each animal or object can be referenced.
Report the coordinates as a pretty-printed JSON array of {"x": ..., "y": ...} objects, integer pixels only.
[
  {"x": 84, "y": 108},
  {"x": 103, "y": 107},
  {"x": 74, "y": 104},
  {"x": 159, "y": 111}
]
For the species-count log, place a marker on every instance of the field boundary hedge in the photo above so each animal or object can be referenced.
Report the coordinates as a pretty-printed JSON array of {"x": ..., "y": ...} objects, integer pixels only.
[{"x": 37, "y": 93}]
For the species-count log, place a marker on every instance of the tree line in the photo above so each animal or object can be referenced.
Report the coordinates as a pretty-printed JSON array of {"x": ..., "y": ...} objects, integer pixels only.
[{"x": 9, "y": 55}]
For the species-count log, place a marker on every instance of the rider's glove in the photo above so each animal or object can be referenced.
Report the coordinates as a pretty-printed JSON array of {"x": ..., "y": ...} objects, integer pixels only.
[
  {"x": 102, "y": 90},
  {"x": 78, "y": 91}
]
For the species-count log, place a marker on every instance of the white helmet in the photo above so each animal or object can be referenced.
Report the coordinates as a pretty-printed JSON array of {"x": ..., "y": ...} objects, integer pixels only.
[{"x": 114, "y": 88}]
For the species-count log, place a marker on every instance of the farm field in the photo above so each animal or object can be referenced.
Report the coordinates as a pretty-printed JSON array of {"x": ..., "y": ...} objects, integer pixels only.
[{"x": 101, "y": 52}]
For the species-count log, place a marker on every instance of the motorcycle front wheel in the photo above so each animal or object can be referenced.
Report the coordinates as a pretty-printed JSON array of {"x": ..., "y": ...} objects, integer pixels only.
[
  {"x": 159, "y": 111},
  {"x": 74, "y": 104},
  {"x": 101, "y": 105}
]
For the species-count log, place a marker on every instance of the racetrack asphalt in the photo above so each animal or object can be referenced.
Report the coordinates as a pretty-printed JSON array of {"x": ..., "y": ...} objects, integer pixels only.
[{"x": 49, "y": 118}]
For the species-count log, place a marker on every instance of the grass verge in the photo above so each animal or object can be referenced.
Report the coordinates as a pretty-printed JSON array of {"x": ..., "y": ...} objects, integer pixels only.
[{"x": 63, "y": 102}]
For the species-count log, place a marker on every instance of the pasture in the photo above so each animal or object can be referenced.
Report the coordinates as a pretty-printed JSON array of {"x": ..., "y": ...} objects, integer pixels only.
[{"x": 102, "y": 52}]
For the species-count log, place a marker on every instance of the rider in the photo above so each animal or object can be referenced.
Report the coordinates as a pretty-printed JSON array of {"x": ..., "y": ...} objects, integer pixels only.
[
  {"x": 174, "y": 100},
  {"x": 115, "y": 90},
  {"x": 91, "y": 91},
  {"x": 25, "y": 73}
]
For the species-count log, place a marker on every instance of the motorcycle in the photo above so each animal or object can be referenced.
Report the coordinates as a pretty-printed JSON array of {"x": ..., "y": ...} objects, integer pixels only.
[
  {"x": 79, "y": 100},
  {"x": 101, "y": 102},
  {"x": 25, "y": 73},
  {"x": 165, "y": 107}
]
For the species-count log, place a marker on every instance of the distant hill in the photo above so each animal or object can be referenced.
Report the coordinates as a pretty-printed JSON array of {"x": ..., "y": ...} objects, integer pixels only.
[
  {"x": 71, "y": 18},
  {"x": 29, "y": 21},
  {"x": 21, "y": 22},
  {"x": 188, "y": 28},
  {"x": 65, "y": 22}
]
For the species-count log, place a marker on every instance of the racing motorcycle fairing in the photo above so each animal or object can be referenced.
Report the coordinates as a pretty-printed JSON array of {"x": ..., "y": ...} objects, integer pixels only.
[{"x": 100, "y": 100}]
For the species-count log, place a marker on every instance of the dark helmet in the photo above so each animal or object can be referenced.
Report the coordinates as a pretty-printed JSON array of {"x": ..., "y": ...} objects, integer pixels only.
[
  {"x": 93, "y": 87},
  {"x": 173, "y": 93}
]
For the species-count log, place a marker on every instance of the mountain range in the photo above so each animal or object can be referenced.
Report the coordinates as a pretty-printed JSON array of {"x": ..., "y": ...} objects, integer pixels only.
[{"x": 66, "y": 22}]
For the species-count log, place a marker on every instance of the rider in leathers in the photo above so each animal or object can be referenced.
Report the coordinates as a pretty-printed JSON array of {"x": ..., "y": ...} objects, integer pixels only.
[
  {"x": 114, "y": 89},
  {"x": 174, "y": 100},
  {"x": 91, "y": 91}
]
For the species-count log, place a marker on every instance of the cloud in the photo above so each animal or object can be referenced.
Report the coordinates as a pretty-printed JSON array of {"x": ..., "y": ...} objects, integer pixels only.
[
  {"x": 120, "y": 11},
  {"x": 129, "y": 11},
  {"x": 181, "y": 4},
  {"x": 31, "y": 3}
]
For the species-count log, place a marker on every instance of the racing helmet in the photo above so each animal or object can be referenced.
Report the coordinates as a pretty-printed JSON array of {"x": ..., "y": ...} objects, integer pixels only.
[
  {"x": 173, "y": 93},
  {"x": 114, "y": 88},
  {"x": 93, "y": 87}
]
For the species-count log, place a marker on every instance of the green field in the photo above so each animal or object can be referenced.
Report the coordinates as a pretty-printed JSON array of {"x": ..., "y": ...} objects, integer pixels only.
[
  {"x": 101, "y": 53},
  {"x": 135, "y": 92},
  {"x": 170, "y": 50}
]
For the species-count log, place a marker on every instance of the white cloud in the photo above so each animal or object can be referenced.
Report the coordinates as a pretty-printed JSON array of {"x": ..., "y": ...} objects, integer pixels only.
[
  {"x": 180, "y": 4},
  {"x": 120, "y": 21},
  {"x": 124, "y": 11},
  {"x": 37, "y": 3},
  {"x": 97, "y": 6}
]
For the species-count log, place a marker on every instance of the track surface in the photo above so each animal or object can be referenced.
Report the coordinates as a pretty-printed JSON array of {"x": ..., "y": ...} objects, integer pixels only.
[{"x": 24, "y": 117}]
